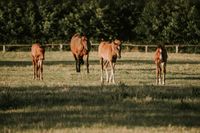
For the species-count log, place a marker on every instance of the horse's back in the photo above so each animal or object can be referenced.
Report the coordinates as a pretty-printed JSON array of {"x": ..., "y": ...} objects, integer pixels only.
[
  {"x": 104, "y": 49},
  {"x": 79, "y": 45},
  {"x": 75, "y": 40},
  {"x": 75, "y": 43},
  {"x": 37, "y": 50},
  {"x": 105, "y": 46}
]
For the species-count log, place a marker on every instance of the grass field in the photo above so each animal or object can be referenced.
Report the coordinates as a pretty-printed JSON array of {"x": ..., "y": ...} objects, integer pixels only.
[{"x": 66, "y": 101}]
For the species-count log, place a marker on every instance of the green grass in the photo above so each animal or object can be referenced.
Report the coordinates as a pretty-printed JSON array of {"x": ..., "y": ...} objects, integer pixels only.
[{"x": 66, "y": 101}]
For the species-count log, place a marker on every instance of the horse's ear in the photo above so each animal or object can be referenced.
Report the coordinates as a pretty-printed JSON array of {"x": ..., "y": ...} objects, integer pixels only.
[
  {"x": 117, "y": 42},
  {"x": 83, "y": 38},
  {"x": 113, "y": 46}
]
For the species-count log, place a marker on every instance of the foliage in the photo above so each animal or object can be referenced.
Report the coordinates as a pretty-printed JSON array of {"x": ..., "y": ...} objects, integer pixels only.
[
  {"x": 173, "y": 21},
  {"x": 53, "y": 21}
]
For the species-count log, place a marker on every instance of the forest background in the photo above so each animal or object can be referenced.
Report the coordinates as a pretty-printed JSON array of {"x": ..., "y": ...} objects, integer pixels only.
[{"x": 139, "y": 21}]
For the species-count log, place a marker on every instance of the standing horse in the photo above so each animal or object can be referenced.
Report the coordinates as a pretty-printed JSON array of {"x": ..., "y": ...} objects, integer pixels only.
[
  {"x": 80, "y": 47},
  {"x": 160, "y": 59},
  {"x": 108, "y": 53},
  {"x": 37, "y": 53}
]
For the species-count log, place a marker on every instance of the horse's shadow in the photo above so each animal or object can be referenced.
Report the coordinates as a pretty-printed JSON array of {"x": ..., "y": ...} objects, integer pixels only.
[
  {"x": 184, "y": 78},
  {"x": 92, "y": 62}
]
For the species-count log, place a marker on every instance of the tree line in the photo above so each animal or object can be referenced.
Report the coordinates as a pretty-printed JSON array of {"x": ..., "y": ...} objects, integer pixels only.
[{"x": 143, "y": 21}]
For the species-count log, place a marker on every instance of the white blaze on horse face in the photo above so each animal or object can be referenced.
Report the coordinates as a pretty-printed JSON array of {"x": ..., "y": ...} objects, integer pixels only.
[
  {"x": 160, "y": 54},
  {"x": 119, "y": 51},
  {"x": 84, "y": 42}
]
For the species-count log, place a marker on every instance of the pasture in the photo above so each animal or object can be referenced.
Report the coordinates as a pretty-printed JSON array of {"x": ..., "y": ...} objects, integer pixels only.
[{"x": 66, "y": 101}]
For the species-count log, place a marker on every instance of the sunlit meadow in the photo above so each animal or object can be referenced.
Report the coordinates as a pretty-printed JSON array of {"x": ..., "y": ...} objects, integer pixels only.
[{"x": 66, "y": 101}]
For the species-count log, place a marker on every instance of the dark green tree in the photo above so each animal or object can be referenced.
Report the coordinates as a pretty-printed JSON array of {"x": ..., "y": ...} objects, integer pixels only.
[
  {"x": 172, "y": 21},
  {"x": 33, "y": 22},
  {"x": 12, "y": 28},
  {"x": 55, "y": 21}
]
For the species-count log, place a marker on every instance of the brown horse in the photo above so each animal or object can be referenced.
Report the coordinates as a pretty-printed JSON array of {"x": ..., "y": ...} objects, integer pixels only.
[
  {"x": 160, "y": 59},
  {"x": 80, "y": 47},
  {"x": 108, "y": 53},
  {"x": 37, "y": 53}
]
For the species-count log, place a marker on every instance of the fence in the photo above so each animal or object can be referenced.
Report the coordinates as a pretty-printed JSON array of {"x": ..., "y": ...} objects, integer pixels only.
[{"x": 126, "y": 47}]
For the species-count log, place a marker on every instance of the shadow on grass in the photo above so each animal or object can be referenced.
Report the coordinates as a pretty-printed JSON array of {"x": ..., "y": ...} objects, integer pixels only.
[
  {"x": 186, "y": 78},
  {"x": 120, "y": 105},
  {"x": 27, "y": 63}
]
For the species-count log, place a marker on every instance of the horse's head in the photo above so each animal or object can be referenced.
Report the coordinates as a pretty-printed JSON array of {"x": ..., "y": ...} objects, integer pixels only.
[
  {"x": 160, "y": 52},
  {"x": 117, "y": 47},
  {"x": 41, "y": 55},
  {"x": 86, "y": 43}
]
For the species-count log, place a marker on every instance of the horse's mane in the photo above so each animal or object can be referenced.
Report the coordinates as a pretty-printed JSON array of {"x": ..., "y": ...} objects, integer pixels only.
[
  {"x": 164, "y": 53},
  {"x": 162, "y": 46},
  {"x": 77, "y": 34}
]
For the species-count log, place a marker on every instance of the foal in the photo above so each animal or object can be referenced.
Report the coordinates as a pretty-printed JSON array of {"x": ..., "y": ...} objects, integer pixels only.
[
  {"x": 37, "y": 53},
  {"x": 80, "y": 46},
  {"x": 160, "y": 59},
  {"x": 108, "y": 53}
]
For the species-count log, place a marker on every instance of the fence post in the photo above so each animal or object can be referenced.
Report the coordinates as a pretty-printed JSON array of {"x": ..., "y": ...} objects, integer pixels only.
[
  {"x": 176, "y": 48},
  {"x": 4, "y": 48},
  {"x": 61, "y": 47},
  {"x": 146, "y": 49}
]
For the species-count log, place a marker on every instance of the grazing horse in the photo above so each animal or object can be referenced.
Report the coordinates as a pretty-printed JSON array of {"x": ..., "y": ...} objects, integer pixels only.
[
  {"x": 80, "y": 47},
  {"x": 37, "y": 53},
  {"x": 160, "y": 59},
  {"x": 108, "y": 53}
]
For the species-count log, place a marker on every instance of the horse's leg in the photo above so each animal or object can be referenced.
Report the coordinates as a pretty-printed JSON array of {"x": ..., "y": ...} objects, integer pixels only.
[
  {"x": 157, "y": 74},
  {"x": 112, "y": 73},
  {"x": 41, "y": 72},
  {"x": 164, "y": 73},
  {"x": 77, "y": 63},
  {"x": 101, "y": 63},
  {"x": 87, "y": 63},
  {"x": 38, "y": 69},
  {"x": 113, "y": 77},
  {"x": 106, "y": 63},
  {"x": 81, "y": 61},
  {"x": 40, "y": 64},
  {"x": 34, "y": 69},
  {"x": 160, "y": 74},
  {"x": 107, "y": 75},
  {"x": 158, "y": 70}
]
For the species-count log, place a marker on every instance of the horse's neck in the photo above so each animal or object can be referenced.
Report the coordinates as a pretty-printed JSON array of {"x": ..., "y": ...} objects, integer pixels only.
[
  {"x": 114, "y": 52},
  {"x": 158, "y": 56}
]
